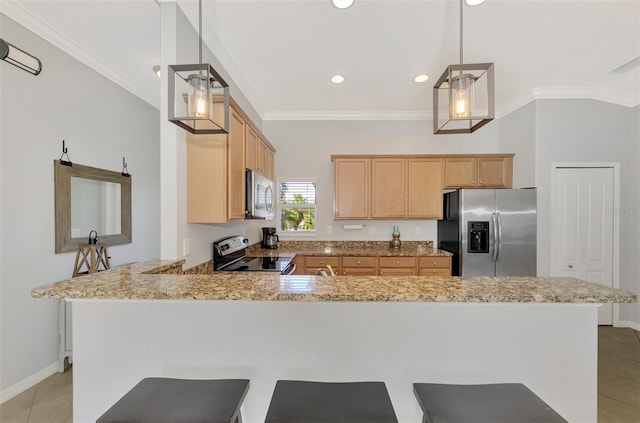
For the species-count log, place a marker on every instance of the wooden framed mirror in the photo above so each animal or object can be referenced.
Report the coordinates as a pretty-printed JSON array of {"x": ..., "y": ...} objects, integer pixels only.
[{"x": 88, "y": 198}]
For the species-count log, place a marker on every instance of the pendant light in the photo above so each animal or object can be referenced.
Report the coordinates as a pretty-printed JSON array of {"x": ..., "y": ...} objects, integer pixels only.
[
  {"x": 466, "y": 93},
  {"x": 198, "y": 96}
]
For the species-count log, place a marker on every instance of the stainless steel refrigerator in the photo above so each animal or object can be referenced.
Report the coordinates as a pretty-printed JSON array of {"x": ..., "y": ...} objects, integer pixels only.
[{"x": 491, "y": 232}]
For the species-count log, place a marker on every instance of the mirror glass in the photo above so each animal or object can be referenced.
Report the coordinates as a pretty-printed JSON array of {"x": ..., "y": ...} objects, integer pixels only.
[
  {"x": 95, "y": 205},
  {"x": 86, "y": 199}
]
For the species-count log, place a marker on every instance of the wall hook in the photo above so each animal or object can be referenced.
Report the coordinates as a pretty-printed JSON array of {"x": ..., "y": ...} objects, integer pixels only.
[
  {"x": 64, "y": 153},
  {"x": 125, "y": 171}
]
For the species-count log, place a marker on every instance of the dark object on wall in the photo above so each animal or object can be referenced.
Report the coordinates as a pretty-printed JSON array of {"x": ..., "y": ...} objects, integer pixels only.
[{"x": 19, "y": 58}]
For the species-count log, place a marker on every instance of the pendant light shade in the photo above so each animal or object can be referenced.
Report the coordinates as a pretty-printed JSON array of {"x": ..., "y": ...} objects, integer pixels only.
[
  {"x": 464, "y": 96},
  {"x": 198, "y": 96}
]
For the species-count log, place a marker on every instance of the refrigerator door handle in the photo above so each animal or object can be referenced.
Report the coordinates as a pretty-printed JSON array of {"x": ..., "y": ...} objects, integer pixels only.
[
  {"x": 499, "y": 240},
  {"x": 494, "y": 253}
]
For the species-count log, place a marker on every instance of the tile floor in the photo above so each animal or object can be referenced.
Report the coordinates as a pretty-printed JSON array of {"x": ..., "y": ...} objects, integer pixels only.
[{"x": 618, "y": 386}]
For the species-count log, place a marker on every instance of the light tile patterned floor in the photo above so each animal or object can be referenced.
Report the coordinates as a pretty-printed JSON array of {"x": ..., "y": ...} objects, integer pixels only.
[{"x": 618, "y": 386}]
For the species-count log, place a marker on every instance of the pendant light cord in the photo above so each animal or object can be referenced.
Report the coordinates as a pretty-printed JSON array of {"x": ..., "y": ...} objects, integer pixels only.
[
  {"x": 461, "y": 6},
  {"x": 200, "y": 32}
]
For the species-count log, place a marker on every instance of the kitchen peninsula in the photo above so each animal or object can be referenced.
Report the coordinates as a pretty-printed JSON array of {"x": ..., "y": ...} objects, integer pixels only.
[{"x": 149, "y": 319}]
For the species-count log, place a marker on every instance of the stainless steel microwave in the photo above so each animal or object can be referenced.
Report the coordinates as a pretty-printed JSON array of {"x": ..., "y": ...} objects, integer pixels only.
[{"x": 259, "y": 196}]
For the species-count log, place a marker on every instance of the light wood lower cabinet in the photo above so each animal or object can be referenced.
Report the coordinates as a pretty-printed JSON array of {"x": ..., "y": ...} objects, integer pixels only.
[
  {"x": 434, "y": 266},
  {"x": 359, "y": 266},
  {"x": 397, "y": 266},
  {"x": 375, "y": 266},
  {"x": 313, "y": 263}
]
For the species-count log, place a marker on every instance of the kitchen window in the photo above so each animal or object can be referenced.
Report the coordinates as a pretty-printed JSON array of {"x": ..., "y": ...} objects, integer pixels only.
[{"x": 297, "y": 206}]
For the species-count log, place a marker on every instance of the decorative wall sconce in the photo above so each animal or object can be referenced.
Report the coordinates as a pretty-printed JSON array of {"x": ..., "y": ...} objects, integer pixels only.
[
  {"x": 19, "y": 58},
  {"x": 466, "y": 92},
  {"x": 198, "y": 96}
]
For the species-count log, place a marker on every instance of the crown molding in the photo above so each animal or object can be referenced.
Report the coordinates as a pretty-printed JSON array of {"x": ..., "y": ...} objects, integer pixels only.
[
  {"x": 33, "y": 23},
  {"x": 592, "y": 93}
]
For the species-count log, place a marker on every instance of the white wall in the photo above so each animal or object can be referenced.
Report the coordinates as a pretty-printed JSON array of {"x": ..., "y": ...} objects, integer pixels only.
[
  {"x": 518, "y": 135},
  {"x": 101, "y": 123},
  {"x": 305, "y": 149},
  {"x": 592, "y": 131}
]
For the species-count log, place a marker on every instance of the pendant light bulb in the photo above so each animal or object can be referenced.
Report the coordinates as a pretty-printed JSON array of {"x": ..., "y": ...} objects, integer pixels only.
[
  {"x": 463, "y": 95},
  {"x": 198, "y": 98}
]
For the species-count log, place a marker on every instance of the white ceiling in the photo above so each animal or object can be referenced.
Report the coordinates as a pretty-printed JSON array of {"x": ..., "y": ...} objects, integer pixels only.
[{"x": 281, "y": 53}]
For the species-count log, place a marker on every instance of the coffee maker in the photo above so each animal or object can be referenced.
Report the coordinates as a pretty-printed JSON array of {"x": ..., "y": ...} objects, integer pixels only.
[{"x": 269, "y": 238}]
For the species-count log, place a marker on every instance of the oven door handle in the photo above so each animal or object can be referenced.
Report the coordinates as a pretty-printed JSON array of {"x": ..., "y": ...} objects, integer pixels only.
[{"x": 290, "y": 269}]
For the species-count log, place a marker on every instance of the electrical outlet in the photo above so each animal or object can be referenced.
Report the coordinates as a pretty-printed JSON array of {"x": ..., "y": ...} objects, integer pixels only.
[
  {"x": 417, "y": 231},
  {"x": 329, "y": 229},
  {"x": 372, "y": 230},
  {"x": 186, "y": 247}
]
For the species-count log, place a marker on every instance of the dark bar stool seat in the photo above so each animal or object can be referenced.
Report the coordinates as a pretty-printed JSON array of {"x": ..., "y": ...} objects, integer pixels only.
[
  {"x": 326, "y": 402},
  {"x": 163, "y": 400},
  {"x": 492, "y": 403}
]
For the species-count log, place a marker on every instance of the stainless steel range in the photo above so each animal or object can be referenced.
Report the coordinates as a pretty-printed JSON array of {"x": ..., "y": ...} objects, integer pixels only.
[{"x": 229, "y": 255}]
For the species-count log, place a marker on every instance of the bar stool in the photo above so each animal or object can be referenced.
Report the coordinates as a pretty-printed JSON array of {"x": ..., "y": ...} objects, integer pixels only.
[
  {"x": 325, "y": 402},
  {"x": 495, "y": 403},
  {"x": 163, "y": 400}
]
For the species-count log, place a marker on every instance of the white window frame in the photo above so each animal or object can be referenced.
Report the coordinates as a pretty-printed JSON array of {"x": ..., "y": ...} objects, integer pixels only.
[{"x": 313, "y": 233}]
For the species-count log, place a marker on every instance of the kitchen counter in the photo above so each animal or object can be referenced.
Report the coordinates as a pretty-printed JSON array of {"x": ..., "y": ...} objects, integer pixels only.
[
  {"x": 147, "y": 281},
  {"x": 150, "y": 319}
]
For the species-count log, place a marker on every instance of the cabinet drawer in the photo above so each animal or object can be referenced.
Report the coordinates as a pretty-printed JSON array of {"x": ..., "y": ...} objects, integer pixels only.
[
  {"x": 359, "y": 271},
  {"x": 392, "y": 262},
  {"x": 434, "y": 272},
  {"x": 397, "y": 271},
  {"x": 311, "y": 261},
  {"x": 441, "y": 262},
  {"x": 358, "y": 262}
]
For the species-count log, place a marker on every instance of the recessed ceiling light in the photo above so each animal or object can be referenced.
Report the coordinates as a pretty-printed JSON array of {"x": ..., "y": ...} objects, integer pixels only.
[
  {"x": 474, "y": 2},
  {"x": 421, "y": 78},
  {"x": 156, "y": 70},
  {"x": 337, "y": 79},
  {"x": 343, "y": 4}
]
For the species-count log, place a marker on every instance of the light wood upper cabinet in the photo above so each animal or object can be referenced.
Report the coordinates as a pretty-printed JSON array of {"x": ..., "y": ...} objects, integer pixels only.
[
  {"x": 491, "y": 171},
  {"x": 236, "y": 166},
  {"x": 216, "y": 170},
  {"x": 403, "y": 188},
  {"x": 251, "y": 148},
  {"x": 269, "y": 164},
  {"x": 388, "y": 188},
  {"x": 424, "y": 193},
  {"x": 261, "y": 155},
  {"x": 352, "y": 187}
]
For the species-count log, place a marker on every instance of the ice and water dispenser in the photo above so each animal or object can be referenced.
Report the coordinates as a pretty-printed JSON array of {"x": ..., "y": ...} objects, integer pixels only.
[{"x": 478, "y": 237}]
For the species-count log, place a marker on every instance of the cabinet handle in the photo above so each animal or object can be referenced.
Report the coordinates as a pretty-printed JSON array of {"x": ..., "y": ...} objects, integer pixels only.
[
  {"x": 358, "y": 261},
  {"x": 397, "y": 262},
  {"x": 434, "y": 262},
  {"x": 479, "y": 182},
  {"x": 321, "y": 262},
  {"x": 344, "y": 272},
  {"x": 403, "y": 213}
]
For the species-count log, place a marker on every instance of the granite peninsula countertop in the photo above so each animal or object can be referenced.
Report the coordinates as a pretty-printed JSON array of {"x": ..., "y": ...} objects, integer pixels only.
[
  {"x": 146, "y": 281},
  {"x": 350, "y": 248}
]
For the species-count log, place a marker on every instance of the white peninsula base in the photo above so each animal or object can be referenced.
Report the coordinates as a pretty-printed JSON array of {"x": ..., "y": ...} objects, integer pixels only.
[{"x": 551, "y": 348}]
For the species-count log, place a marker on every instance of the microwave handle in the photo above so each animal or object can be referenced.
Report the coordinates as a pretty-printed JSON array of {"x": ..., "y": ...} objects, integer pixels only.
[{"x": 266, "y": 205}]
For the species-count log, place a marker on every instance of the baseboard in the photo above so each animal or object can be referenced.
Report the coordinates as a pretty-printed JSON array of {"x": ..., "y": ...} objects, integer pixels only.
[
  {"x": 28, "y": 382},
  {"x": 627, "y": 324}
]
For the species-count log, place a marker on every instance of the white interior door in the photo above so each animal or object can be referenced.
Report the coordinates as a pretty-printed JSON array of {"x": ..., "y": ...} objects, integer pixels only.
[{"x": 582, "y": 227}]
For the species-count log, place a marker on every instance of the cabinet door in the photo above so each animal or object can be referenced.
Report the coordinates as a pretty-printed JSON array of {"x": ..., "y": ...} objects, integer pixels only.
[
  {"x": 236, "y": 166},
  {"x": 495, "y": 172},
  {"x": 351, "y": 188},
  {"x": 388, "y": 188},
  {"x": 269, "y": 162},
  {"x": 424, "y": 198},
  {"x": 251, "y": 146},
  {"x": 261, "y": 156},
  {"x": 206, "y": 178},
  {"x": 460, "y": 172}
]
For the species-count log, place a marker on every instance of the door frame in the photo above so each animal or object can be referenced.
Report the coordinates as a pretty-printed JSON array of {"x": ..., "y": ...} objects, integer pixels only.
[{"x": 616, "y": 217}]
